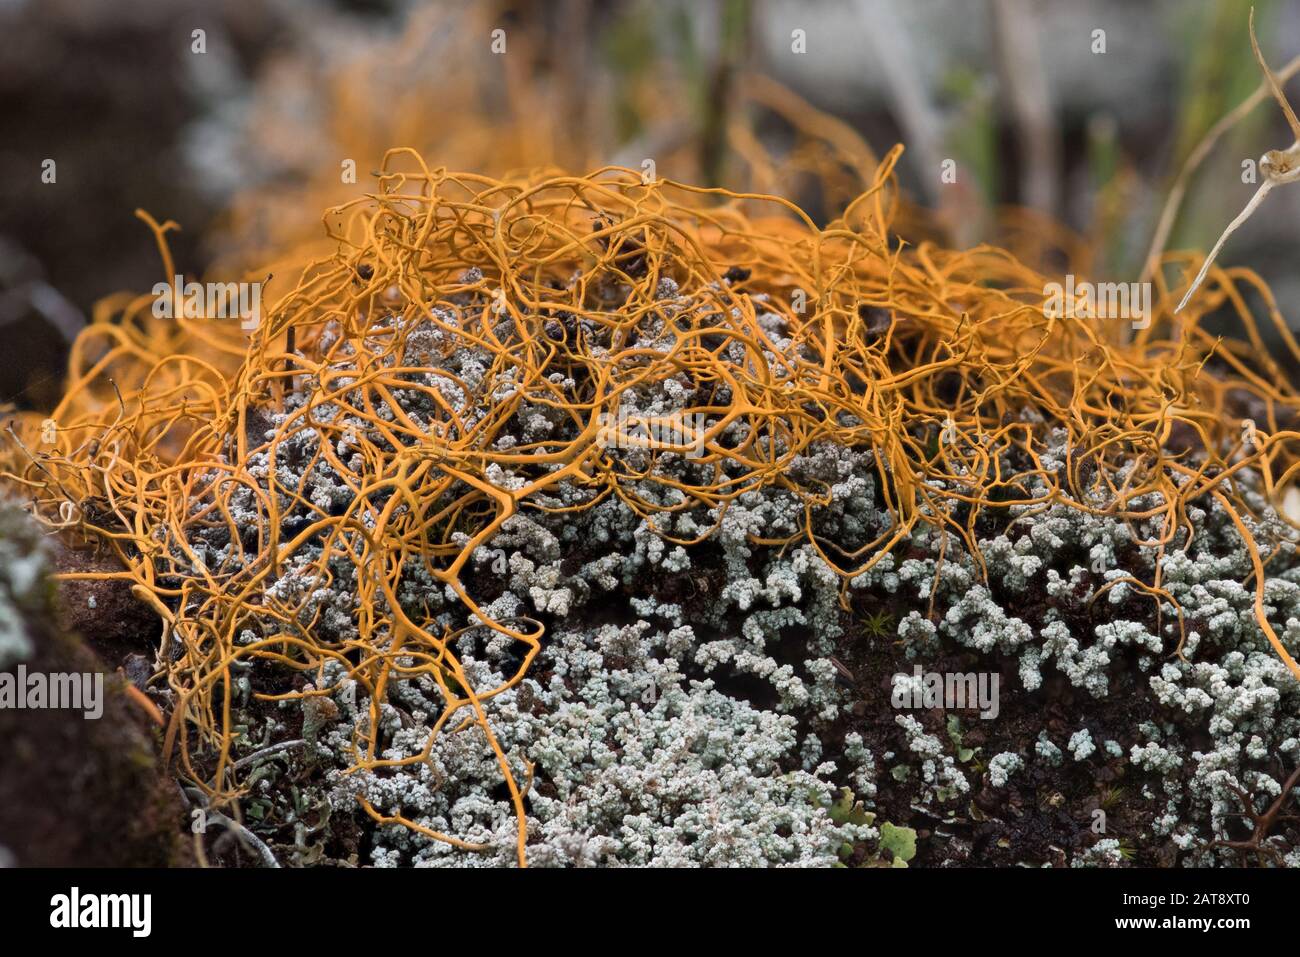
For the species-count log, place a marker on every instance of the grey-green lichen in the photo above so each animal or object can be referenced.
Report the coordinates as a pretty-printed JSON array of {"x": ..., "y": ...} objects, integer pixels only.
[{"x": 659, "y": 736}]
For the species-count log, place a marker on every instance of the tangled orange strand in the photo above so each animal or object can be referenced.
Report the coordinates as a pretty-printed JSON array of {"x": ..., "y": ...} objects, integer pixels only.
[{"x": 943, "y": 363}]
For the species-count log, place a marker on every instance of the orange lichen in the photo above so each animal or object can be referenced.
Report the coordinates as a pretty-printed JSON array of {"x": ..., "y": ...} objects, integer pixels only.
[{"x": 943, "y": 363}]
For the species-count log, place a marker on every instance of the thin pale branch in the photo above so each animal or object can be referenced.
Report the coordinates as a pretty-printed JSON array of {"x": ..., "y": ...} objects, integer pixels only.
[{"x": 1264, "y": 189}]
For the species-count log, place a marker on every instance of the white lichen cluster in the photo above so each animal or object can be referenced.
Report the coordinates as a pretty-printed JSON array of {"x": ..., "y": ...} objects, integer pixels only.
[
  {"x": 632, "y": 726},
  {"x": 1227, "y": 683},
  {"x": 1002, "y": 766},
  {"x": 634, "y": 764},
  {"x": 666, "y": 737}
]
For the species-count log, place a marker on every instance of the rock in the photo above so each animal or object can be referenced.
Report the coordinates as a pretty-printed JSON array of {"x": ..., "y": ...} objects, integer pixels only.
[{"x": 74, "y": 790}]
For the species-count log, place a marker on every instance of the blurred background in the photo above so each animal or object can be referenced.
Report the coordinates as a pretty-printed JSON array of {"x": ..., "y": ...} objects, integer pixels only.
[{"x": 238, "y": 119}]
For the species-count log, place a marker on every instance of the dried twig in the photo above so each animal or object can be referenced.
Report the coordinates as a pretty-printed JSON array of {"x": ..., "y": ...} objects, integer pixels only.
[
  {"x": 1262, "y": 821},
  {"x": 266, "y": 752},
  {"x": 1278, "y": 166}
]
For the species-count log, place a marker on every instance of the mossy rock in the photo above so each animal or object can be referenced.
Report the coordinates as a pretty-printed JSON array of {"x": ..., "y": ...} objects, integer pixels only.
[{"x": 73, "y": 791}]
